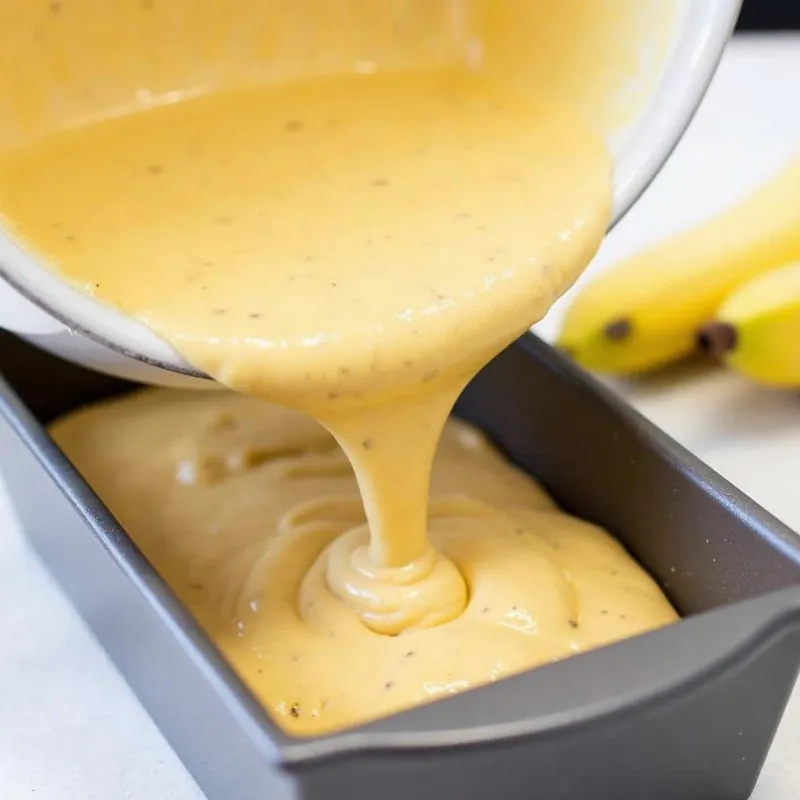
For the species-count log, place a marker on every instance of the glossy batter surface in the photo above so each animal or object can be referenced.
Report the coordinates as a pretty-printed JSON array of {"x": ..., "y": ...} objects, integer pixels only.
[
  {"x": 243, "y": 508},
  {"x": 355, "y": 247},
  {"x": 353, "y": 239}
]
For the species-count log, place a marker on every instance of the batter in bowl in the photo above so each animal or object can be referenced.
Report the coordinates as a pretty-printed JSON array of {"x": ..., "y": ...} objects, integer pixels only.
[{"x": 354, "y": 247}]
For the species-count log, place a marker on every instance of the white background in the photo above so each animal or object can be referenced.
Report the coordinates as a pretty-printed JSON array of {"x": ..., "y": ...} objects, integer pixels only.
[{"x": 70, "y": 728}]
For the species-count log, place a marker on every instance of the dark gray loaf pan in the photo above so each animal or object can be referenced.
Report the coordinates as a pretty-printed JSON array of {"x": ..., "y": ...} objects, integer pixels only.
[{"x": 685, "y": 713}]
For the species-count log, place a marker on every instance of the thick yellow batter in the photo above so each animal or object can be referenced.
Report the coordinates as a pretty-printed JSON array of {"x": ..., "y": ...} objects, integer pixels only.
[
  {"x": 355, "y": 243},
  {"x": 244, "y": 508}
]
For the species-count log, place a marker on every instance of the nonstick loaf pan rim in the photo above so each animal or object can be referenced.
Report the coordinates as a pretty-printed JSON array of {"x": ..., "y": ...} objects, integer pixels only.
[
  {"x": 691, "y": 466},
  {"x": 774, "y": 614}
]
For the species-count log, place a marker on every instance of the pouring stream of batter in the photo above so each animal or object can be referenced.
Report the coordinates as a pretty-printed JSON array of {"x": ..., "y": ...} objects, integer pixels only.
[{"x": 355, "y": 248}]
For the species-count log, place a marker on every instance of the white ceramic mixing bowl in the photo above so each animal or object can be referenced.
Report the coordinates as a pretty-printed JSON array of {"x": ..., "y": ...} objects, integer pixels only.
[{"x": 46, "y": 311}]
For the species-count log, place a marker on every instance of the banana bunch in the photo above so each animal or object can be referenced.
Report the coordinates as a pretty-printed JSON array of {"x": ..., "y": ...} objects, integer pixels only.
[{"x": 729, "y": 287}]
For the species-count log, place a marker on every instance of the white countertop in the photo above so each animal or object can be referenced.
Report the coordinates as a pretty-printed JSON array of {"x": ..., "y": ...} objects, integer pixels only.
[{"x": 70, "y": 729}]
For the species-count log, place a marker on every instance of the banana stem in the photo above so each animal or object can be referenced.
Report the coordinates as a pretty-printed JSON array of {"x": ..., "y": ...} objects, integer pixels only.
[{"x": 716, "y": 339}]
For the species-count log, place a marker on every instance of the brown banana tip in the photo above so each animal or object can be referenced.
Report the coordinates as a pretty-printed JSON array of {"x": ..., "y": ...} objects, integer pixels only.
[
  {"x": 717, "y": 338},
  {"x": 618, "y": 329}
]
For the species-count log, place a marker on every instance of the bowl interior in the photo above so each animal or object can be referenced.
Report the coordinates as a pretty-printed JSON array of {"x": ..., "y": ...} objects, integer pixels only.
[{"x": 72, "y": 61}]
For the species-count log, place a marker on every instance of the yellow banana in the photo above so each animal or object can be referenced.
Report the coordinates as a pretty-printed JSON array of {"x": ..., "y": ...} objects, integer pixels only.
[
  {"x": 644, "y": 312},
  {"x": 757, "y": 328}
]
